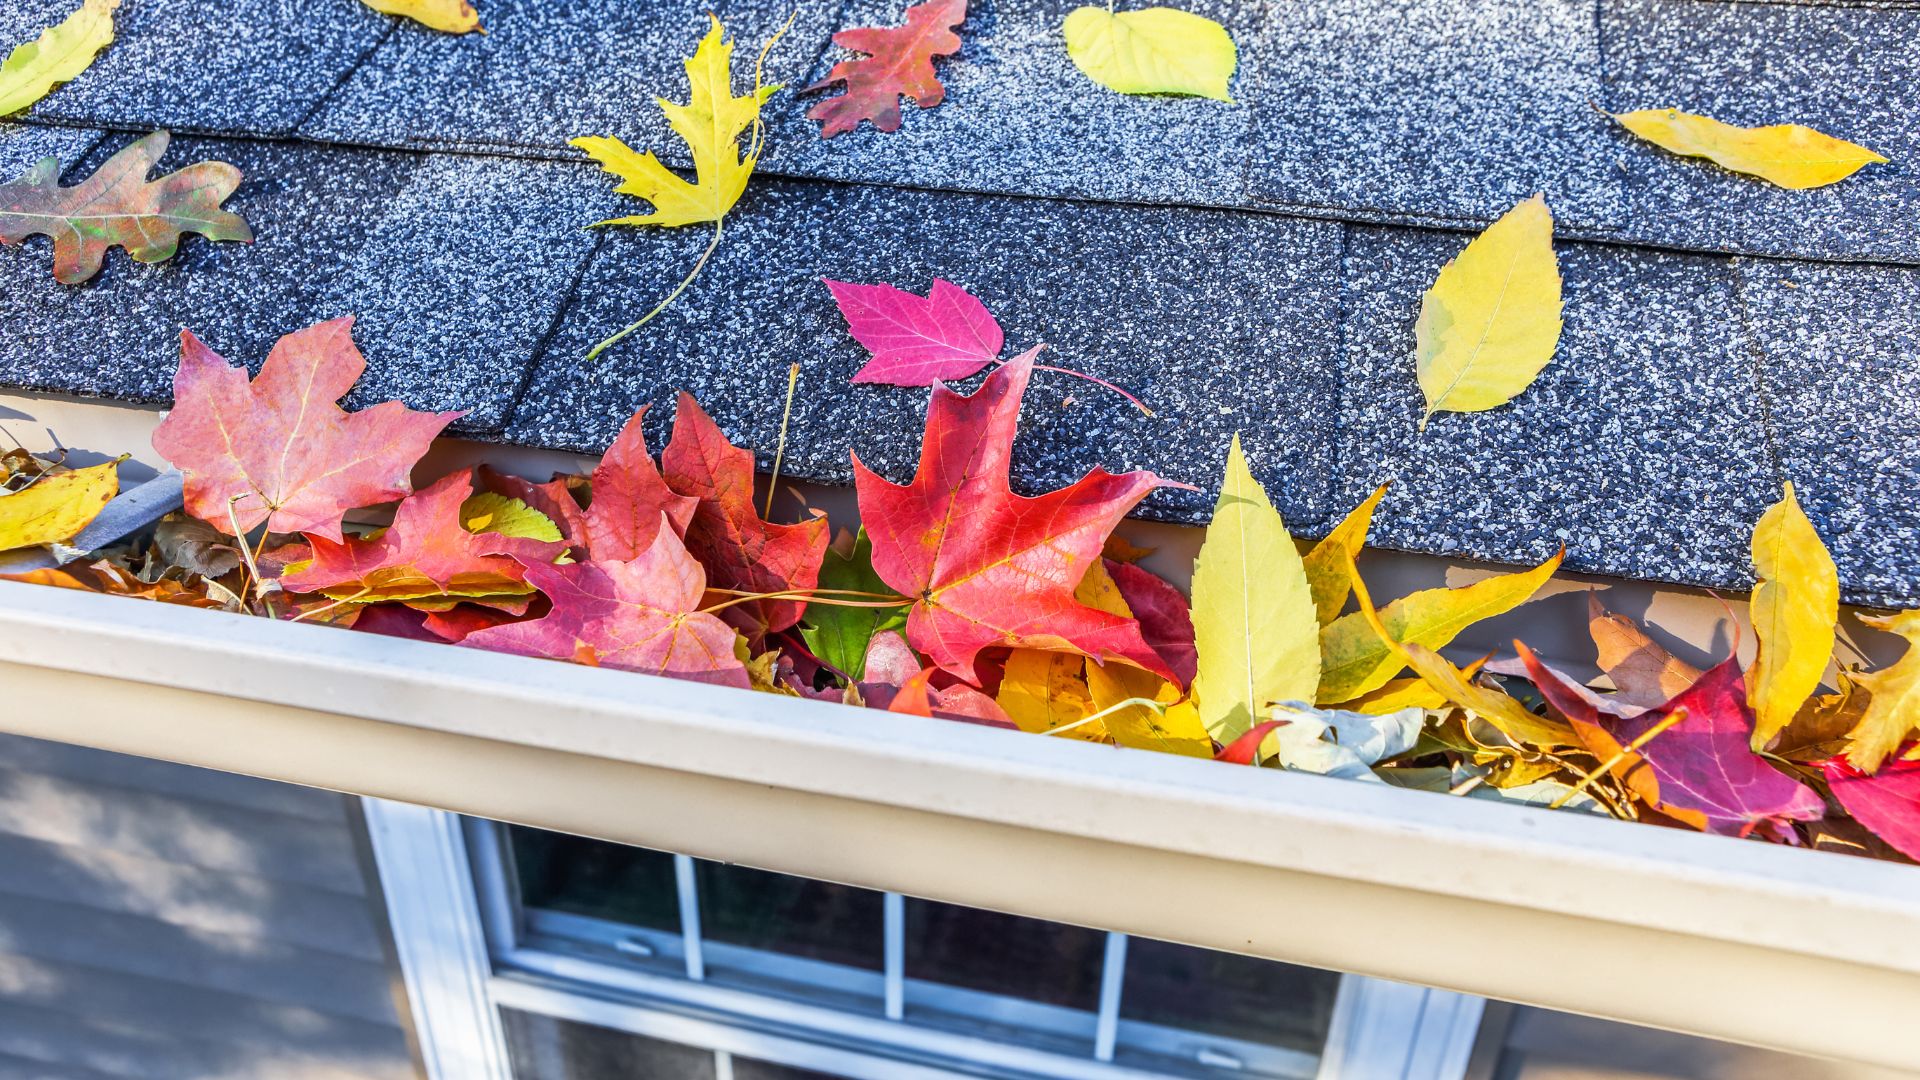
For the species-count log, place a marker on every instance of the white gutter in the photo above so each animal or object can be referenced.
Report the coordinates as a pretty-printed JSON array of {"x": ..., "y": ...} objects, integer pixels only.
[{"x": 1796, "y": 950}]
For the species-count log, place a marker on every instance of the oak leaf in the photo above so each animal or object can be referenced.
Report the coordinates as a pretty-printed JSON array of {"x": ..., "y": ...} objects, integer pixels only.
[
  {"x": 1893, "y": 712},
  {"x": 119, "y": 206},
  {"x": 1789, "y": 155},
  {"x": 56, "y": 506},
  {"x": 1153, "y": 50},
  {"x": 899, "y": 62},
  {"x": 105, "y": 576},
  {"x": 1794, "y": 608},
  {"x": 1887, "y": 802},
  {"x": 914, "y": 340},
  {"x": 61, "y": 52},
  {"x": 986, "y": 567},
  {"x": 447, "y": 16},
  {"x": 278, "y": 450}
]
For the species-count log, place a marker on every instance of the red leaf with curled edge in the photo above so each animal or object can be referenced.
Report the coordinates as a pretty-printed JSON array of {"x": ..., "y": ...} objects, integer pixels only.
[
  {"x": 985, "y": 566},
  {"x": 899, "y": 61},
  {"x": 739, "y": 549},
  {"x": 1886, "y": 801},
  {"x": 916, "y": 696},
  {"x": 278, "y": 449},
  {"x": 1243, "y": 750},
  {"x": 426, "y": 558},
  {"x": 1701, "y": 771},
  {"x": 630, "y": 497},
  {"x": 638, "y": 615},
  {"x": 1166, "y": 620},
  {"x": 918, "y": 340}
]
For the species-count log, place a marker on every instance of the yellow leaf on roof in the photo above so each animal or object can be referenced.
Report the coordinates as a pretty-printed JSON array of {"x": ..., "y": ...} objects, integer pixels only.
[
  {"x": 57, "y": 506},
  {"x": 1491, "y": 320},
  {"x": 1893, "y": 713},
  {"x": 1154, "y": 50},
  {"x": 31, "y": 71},
  {"x": 1794, "y": 609},
  {"x": 1790, "y": 155},
  {"x": 451, "y": 16}
]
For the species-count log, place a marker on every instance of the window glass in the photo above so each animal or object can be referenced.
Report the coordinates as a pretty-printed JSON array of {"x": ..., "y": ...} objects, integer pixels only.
[
  {"x": 1218, "y": 993},
  {"x": 591, "y": 877},
  {"x": 817, "y": 920},
  {"x": 1004, "y": 954},
  {"x": 748, "y": 1069},
  {"x": 543, "y": 1048}
]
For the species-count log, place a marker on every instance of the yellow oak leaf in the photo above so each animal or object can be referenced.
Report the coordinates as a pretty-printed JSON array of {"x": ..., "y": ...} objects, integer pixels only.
[
  {"x": 1893, "y": 711},
  {"x": 1794, "y": 609},
  {"x": 451, "y": 16},
  {"x": 1154, "y": 50},
  {"x": 1789, "y": 155},
  {"x": 1330, "y": 563},
  {"x": 1253, "y": 613},
  {"x": 31, "y": 71},
  {"x": 1491, "y": 321},
  {"x": 57, "y": 506},
  {"x": 1354, "y": 660},
  {"x": 711, "y": 124}
]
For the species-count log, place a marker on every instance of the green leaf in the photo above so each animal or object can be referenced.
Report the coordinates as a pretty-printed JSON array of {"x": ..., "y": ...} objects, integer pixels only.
[
  {"x": 31, "y": 71},
  {"x": 495, "y": 513},
  {"x": 1253, "y": 614},
  {"x": 1152, "y": 51},
  {"x": 839, "y": 635}
]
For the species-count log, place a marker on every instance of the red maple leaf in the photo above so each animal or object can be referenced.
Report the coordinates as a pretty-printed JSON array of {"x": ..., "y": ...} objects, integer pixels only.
[
  {"x": 629, "y": 497},
  {"x": 637, "y": 615},
  {"x": 279, "y": 449},
  {"x": 918, "y": 340},
  {"x": 427, "y": 558},
  {"x": 1701, "y": 770},
  {"x": 739, "y": 549},
  {"x": 1166, "y": 621},
  {"x": 1887, "y": 801},
  {"x": 900, "y": 61},
  {"x": 985, "y": 566}
]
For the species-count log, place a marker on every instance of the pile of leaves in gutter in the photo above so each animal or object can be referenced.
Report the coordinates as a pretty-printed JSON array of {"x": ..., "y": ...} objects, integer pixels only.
[{"x": 962, "y": 600}]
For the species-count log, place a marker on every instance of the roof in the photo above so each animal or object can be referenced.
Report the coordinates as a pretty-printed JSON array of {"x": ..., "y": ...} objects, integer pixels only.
[{"x": 1252, "y": 267}]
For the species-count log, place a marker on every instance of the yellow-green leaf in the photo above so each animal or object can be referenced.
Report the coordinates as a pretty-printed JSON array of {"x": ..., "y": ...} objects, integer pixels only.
[
  {"x": 31, "y": 71},
  {"x": 1491, "y": 320},
  {"x": 1353, "y": 659},
  {"x": 710, "y": 124},
  {"x": 451, "y": 16},
  {"x": 1893, "y": 711},
  {"x": 1330, "y": 563},
  {"x": 1794, "y": 609},
  {"x": 56, "y": 507},
  {"x": 1253, "y": 620},
  {"x": 491, "y": 512},
  {"x": 1789, "y": 155},
  {"x": 1154, "y": 50}
]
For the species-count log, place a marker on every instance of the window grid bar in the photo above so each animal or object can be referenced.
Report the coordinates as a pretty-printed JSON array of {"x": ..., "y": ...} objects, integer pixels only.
[
  {"x": 689, "y": 891},
  {"x": 894, "y": 951},
  {"x": 722, "y": 1065},
  {"x": 1113, "y": 971}
]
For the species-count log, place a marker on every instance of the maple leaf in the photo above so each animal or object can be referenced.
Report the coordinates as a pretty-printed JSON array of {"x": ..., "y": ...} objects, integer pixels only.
[
  {"x": 428, "y": 557},
  {"x": 916, "y": 341},
  {"x": 1700, "y": 770},
  {"x": 899, "y": 62},
  {"x": 637, "y": 615},
  {"x": 1166, "y": 622},
  {"x": 984, "y": 566},
  {"x": 1789, "y": 155},
  {"x": 447, "y": 16},
  {"x": 119, "y": 206},
  {"x": 631, "y": 498},
  {"x": 56, "y": 506},
  {"x": 1154, "y": 50},
  {"x": 553, "y": 499},
  {"x": 1887, "y": 802},
  {"x": 278, "y": 449},
  {"x": 60, "y": 53},
  {"x": 739, "y": 549}
]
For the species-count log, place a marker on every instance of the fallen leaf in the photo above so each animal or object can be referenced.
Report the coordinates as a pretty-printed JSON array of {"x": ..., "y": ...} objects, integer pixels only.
[
  {"x": 1353, "y": 659},
  {"x": 553, "y": 499},
  {"x": 491, "y": 512},
  {"x": 1343, "y": 744},
  {"x": 1329, "y": 564},
  {"x": 710, "y": 124},
  {"x": 102, "y": 576},
  {"x": 1819, "y": 730},
  {"x": 1887, "y": 802},
  {"x": 631, "y": 498},
  {"x": 1153, "y": 50},
  {"x": 917, "y": 341},
  {"x": 1702, "y": 770},
  {"x": 1893, "y": 712},
  {"x": 1794, "y": 609},
  {"x": 840, "y": 635},
  {"x": 985, "y": 566},
  {"x": 195, "y": 546},
  {"x": 56, "y": 506},
  {"x": 1120, "y": 549},
  {"x": 119, "y": 206},
  {"x": 1491, "y": 321},
  {"x": 1789, "y": 155},
  {"x": 899, "y": 62},
  {"x": 1253, "y": 614},
  {"x": 1045, "y": 691},
  {"x": 1245, "y": 750},
  {"x": 1644, "y": 674},
  {"x": 278, "y": 449},
  {"x": 1166, "y": 621},
  {"x": 31, "y": 71},
  {"x": 1175, "y": 727},
  {"x": 449, "y": 16},
  {"x": 637, "y": 615}
]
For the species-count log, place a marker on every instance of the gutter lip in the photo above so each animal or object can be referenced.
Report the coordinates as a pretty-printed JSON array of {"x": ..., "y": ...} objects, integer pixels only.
[{"x": 1817, "y": 904}]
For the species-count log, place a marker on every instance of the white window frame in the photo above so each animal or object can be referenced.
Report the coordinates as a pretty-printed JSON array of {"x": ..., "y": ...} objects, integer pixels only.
[{"x": 463, "y": 957}]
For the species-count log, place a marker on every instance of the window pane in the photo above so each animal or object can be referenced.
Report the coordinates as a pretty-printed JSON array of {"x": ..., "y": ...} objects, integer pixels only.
[
  {"x": 817, "y": 920},
  {"x": 1218, "y": 993},
  {"x": 1004, "y": 954},
  {"x": 591, "y": 877},
  {"x": 748, "y": 1069},
  {"x": 543, "y": 1048}
]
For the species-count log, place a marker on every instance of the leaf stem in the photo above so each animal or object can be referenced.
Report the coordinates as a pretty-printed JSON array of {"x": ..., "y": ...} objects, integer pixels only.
[
  {"x": 329, "y": 607},
  {"x": 1604, "y": 767},
  {"x": 780, "y": 448},
  {"x": 671, "y": 297},
  {"x": 247, "y": 555},
  {"x": 809, "y": 595},
  {"x": 1157, "y": 707}
]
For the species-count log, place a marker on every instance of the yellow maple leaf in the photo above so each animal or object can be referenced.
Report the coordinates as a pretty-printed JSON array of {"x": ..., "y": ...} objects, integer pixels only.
[
  {"x": 1893, "y": 712},
  {"x": 57, "y": 506},
  {"x": 1794, "y": 608},
  {"x": 450, "y": 16},
  {"x": 1044, "y": 691},
  {"x": 1790, "y": 155}
]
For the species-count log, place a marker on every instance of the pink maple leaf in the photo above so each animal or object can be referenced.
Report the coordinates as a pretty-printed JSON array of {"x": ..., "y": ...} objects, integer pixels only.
[{"x": 918, "y": 340}]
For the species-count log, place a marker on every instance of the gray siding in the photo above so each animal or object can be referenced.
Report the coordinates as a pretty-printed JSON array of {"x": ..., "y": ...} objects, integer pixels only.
[{"x": 162, "y": 922}]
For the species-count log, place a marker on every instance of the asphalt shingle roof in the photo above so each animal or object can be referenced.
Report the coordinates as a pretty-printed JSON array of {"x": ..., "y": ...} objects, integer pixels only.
[{"x": 1252, "y": 267}]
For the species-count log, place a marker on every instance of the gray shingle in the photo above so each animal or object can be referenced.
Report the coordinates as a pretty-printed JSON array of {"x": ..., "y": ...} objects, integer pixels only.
[
  {"x": 1137, "y": 295},
  {"x": 23, "y": 145},
  {"x": 1853, "y": 73},
  {"x": 238, "y": 67},
  {"x": 1842, "y": 349},
  {"x": 1433, "y": 110},
  {"x": 1640, "y": 447}
]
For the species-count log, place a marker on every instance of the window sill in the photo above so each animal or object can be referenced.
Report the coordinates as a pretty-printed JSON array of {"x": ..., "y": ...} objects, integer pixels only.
[{"x": 1652, "y": 926}]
